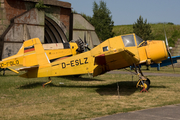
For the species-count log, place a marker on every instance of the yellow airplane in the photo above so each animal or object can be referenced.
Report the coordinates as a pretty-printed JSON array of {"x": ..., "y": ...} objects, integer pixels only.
[
  {"x": 53, "y": 51},
  {"x": 115, "y": 53}
]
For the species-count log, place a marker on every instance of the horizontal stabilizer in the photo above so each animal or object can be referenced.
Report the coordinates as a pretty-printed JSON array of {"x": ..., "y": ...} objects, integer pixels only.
[{"x": 21, "y": 68}]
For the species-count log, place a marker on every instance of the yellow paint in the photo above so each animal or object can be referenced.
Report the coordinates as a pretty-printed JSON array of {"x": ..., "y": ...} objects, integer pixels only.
[
  {"x": 156, "y": 51},
  {"x": 142, "y": 54},
  {"x": 109, "y": 55},
  {"x": 27, "y": 59}
]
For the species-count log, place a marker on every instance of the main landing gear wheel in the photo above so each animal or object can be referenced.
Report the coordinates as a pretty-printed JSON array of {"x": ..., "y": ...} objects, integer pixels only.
[
  {"x": 148, "y": 81},
  {"x": 144, "y": 85}
]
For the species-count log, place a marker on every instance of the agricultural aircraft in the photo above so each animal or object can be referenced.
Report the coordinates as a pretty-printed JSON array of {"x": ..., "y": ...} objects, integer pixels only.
[{"x": 114, "y": 53}]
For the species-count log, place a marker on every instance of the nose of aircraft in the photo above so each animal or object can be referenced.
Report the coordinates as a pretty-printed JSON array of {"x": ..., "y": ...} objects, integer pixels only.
[{"x": 156, "y": 51}]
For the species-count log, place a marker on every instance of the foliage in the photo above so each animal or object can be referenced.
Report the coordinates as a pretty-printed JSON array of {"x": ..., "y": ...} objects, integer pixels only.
[
  {"x": 170, "y": 23},
  {"x": 173, "y": 38},
  {"x": 142, "y": 29},
  {"x": 102, "y": 21},
  {"x": 88, "y": 18},
  {"x": 157, "y": 31},
  {"x": 74, "y": 11},
  {"x": 40, "y": 5}
]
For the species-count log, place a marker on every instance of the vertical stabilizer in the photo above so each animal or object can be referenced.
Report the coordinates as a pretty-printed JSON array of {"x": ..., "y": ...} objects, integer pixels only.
[{"x": 34, "y": 53}]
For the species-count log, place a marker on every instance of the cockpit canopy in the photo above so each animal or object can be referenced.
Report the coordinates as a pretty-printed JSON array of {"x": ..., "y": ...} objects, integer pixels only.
[{"x": 129, "y": 41}]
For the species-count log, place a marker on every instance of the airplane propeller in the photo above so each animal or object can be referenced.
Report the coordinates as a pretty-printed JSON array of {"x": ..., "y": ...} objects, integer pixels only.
[
  {"x": 169, "y": 53},
  {"x": 86, "y": 44}
]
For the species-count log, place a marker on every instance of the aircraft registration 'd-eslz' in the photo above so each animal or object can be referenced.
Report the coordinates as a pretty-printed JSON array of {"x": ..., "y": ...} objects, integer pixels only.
[{"x": 115, "y": 53}]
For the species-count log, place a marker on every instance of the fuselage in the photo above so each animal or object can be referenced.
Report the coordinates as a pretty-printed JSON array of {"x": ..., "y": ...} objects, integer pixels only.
[{"x": 114, "y": 53}]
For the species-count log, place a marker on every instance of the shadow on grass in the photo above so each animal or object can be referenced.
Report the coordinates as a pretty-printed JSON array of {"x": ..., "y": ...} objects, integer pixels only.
[
  {"x": 158, "y": 87},
  {"x": 31, "y": 85},
  {"x": 125, "y": 87},
  {"x": 79, "y": 78},
  {"x": 9, "y": 75},
  {"x": 72, "y": 78}
]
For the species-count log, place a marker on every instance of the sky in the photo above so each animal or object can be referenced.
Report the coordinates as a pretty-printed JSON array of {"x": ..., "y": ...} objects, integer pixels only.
[{"x": 125, "y": 12}]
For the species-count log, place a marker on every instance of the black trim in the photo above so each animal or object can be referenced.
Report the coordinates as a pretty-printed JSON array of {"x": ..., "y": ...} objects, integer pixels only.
[
  {"x": 66, "y": 45},
  {"x": 59, "y": 58},
  {"x": 30, "y": 47},
  {"x": 55, "y": 65}
]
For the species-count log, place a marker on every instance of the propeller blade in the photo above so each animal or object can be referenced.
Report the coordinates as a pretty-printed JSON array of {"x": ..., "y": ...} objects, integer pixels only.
[
  {"x": 169, "y": 53},
  {"x": 86, "y": 44},
  {"x": 166, "y": 39},
  {"x": 85, "y": 37},
  {"x": 171, "y": 60}
]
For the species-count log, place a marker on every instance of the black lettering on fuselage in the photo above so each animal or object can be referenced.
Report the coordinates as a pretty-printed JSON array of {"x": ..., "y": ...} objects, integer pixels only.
[
  {"x": 63, "y": 65},
  {"x": 77, "y": 62},
  {"x": 86, "y": 62},
  {"x": 10, "y": 63},
  {"x": 80, "y": 62},
  {"x": 17, "y": 62},
  {"x": 2, "y": 64},
  {"x": 74, "y": 63}
]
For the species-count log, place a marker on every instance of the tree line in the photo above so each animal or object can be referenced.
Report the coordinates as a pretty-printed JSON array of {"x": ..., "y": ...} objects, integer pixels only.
[{"x": 103, "y": 23}]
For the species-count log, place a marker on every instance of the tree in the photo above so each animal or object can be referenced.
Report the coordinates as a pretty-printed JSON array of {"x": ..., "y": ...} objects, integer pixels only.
[
  {"x": 102, "y": 21},
  {"x": 142, "y": 29},
  {"x": 88, "y": 18}
]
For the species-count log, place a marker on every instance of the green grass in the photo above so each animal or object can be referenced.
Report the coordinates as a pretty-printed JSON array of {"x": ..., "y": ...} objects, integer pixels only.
[{"x": 68, "y": 98}]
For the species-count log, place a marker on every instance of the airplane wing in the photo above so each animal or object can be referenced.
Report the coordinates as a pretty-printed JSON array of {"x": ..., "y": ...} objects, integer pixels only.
[{"x": 118, "y": 59}]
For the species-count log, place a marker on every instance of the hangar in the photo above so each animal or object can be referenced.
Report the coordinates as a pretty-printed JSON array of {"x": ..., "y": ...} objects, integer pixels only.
[{"x": 52, "y": 22}]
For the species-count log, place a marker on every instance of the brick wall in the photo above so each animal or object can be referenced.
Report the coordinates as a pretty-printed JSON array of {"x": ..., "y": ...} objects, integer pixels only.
[
  {"x": 2, "y": 17},
  {"x": 9, "y": 9},
  {"x": 65, "y": 17},
  {"x": 14, "y": 8}
]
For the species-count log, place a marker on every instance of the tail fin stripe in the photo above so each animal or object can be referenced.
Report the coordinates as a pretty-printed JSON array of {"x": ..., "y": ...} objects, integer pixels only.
[{"x": 29, "y": 49}]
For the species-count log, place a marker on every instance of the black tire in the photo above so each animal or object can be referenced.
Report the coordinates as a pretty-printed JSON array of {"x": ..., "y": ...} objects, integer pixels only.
[
  {"x": 148, "y": 81},
  {"x": 146, "y": 84}
]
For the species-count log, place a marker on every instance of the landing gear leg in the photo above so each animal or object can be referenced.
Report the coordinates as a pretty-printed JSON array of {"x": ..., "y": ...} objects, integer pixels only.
[
  {"x": 143, "y": 82},
  {"x": 3, "y": 71},
  {"x": 47, "y": 82}
]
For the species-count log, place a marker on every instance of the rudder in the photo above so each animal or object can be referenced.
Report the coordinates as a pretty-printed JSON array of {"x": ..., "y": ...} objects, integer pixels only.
[{"x": 34, "y": 53}]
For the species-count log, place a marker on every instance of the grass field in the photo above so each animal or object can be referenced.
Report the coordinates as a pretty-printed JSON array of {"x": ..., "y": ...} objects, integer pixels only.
[{"x": 68, "y": 98}]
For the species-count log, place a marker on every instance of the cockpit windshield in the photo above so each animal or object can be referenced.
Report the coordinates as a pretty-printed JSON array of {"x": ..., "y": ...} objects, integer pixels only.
[
  {"x": 128, "y": 40},
  {"x": 138, "y": 40}
]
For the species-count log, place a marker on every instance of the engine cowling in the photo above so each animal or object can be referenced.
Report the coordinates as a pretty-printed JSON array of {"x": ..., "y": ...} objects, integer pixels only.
[{"x": 156, "y": 51}]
